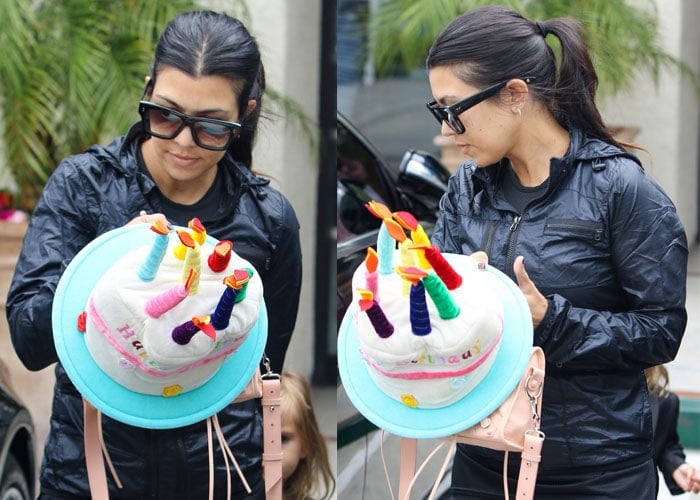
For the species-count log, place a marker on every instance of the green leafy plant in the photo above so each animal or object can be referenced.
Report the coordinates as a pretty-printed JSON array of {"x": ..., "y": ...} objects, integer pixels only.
[
  {"x": 622, "y": 37},
  {"x": 71, "y": 71},
  {"x": 71, "y": 74}
]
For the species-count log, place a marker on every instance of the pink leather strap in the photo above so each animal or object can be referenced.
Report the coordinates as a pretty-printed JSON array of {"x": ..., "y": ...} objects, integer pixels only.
[
  {"x": 529, "y": 463},
  {"x": 97, "y": 477},
  {"x": 409, "y": 450},
  {"x": 272, "y": 438}
]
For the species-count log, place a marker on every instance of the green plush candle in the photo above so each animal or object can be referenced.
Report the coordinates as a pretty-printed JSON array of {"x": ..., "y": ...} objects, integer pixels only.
[{"x": 447, "y": 309}]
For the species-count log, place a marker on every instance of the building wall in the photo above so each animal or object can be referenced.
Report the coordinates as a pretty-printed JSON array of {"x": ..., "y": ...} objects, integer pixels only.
[
  {"x": 289, "y": 37},
  {"x": 668, "y": 114}
]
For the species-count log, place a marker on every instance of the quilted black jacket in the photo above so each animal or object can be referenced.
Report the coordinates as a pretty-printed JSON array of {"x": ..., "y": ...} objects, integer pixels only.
[
  {"x": 100, "y": 190},
  {"x": 605, "y": 246}
]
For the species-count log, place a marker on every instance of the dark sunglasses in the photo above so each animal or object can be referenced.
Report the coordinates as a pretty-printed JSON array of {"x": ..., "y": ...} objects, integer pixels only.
[
  {"x": 450, "y": 114},
  {"x": 207, "y": 133}
]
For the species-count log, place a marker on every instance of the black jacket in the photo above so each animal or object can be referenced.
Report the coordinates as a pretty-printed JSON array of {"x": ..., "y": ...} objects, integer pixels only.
[
  {"x": 605, "y": 246},
  {"x": 100, "y": 190}
]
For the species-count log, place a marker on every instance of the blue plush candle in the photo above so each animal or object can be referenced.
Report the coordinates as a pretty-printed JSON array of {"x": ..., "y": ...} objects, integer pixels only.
[
  {"x": 419, "y": 316},
  {"x": 385, "y": 251},
  {"x": 149, "y": 268}
]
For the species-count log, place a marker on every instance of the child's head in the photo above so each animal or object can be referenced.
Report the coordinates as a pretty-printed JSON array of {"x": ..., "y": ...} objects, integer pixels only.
[
  {"x": 305, "y": 466},
  {"x": 657, "y": 379}
]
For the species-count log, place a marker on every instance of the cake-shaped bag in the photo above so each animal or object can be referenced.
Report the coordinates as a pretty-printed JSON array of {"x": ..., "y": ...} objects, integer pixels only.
[
  {"x": 431, "y": 344},
  {"x": 159, "y": 327}
]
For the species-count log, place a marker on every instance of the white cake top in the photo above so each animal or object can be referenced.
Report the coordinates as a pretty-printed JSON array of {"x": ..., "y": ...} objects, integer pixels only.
[
  {"x": 138, "y": 350},
  {"x": 478, "y": 326}
]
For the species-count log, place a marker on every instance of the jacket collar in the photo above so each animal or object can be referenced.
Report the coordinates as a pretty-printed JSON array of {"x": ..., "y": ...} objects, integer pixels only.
[{"x": 581, "y": 148}]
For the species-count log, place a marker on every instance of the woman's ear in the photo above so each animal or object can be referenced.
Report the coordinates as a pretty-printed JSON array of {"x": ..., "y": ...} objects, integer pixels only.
[
  {"x": 517, "y": 92},
  {"x": 147, "y": 88},
  {"x": 252, "y": 104}
]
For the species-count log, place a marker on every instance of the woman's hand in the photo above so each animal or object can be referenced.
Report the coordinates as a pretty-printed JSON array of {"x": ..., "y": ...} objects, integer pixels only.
[
  {"x": 687, "y": 477},
  {"x": 144, "y": 218},
  {"x": 537, "y": 302}
]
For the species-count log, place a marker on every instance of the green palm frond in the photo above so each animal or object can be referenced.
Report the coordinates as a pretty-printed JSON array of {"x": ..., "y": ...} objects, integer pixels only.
[
  {"x": 623, "y": 36},
  {"x": 289, "y": 109},
  {"x": 72, "y": 72}
]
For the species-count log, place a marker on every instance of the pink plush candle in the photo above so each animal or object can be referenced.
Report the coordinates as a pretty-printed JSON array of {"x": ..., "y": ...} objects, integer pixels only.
[{"x": 160, "y": 304}]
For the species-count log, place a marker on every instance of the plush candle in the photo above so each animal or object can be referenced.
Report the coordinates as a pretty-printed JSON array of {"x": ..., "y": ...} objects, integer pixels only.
[
  {"x": 385, "y": 251},
  {"x": 193, "y": 259},
  {"x": 371, "y": 276},
  {"x": 182, "y": 334},
  {"x": 235, "y": 287},
  {"x": 443, "y": 268},
  {"x": 407, "y": 258},
  {"x": 160, "y": 304},
  {"x": 389, "y": 232},
  {"x": 147, "y": 271},
  {"x": 420, "y": 238},
  {"x": 197, "y": 230},
  {"x": 447, "y": 309},
  {"x": 220, "y": 257},
  {"x": 418, "y": 313},
  {"x": 376, "y": 316},
  {"x": 406, "y": 220}
]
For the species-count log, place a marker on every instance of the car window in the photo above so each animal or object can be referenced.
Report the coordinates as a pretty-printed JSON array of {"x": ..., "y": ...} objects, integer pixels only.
[{"x": 359, "y": 180}]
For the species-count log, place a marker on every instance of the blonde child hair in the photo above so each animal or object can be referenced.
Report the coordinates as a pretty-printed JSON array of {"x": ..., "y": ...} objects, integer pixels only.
[
  {"x": 313, "y": 475},
  {"x": 657, "y": 379}
]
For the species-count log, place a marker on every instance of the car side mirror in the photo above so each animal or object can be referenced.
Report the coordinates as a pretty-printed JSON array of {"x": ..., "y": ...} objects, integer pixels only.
[{"x": 422, "y": 178}]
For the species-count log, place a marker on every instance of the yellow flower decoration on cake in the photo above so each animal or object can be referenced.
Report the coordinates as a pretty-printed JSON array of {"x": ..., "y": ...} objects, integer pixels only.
[
  {"x": 409, "y": 400},
  {"x": 172, "y": 390}
]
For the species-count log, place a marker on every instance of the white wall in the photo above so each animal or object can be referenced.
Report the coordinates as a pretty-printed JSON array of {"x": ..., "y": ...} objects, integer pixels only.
[
  {"x": 289, "y": 37},
  {"x": 669, "y": 114}
]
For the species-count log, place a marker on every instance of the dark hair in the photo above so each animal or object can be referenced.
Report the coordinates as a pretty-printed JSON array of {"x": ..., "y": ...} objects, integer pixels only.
[
  {"x": 491, "y": 44},
  {"x": 206, "y": 43}
]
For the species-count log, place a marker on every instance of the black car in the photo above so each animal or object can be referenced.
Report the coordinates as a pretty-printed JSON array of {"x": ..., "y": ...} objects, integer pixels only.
[
  {"x": 415, "y": 185},
  {"x": 17, "y": 464}
]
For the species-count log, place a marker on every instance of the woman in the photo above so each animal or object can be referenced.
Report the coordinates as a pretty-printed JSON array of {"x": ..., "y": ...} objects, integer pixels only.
[
  {"x": 547, "y": 187},
  {"x": 189, "y": 156}
]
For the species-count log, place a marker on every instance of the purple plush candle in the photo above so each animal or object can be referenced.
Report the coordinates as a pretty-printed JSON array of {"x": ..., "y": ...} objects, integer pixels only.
[{"x": 381, "y": 324}]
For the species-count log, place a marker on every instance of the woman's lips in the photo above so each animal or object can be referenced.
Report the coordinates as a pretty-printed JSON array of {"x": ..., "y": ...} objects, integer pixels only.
[{"x": 183, "y": 160}]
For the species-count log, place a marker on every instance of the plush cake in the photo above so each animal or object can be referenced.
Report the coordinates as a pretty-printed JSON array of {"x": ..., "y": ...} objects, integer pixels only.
[
  {"x": 429, "y": 325},
  {"x": 165, "y": 316}
]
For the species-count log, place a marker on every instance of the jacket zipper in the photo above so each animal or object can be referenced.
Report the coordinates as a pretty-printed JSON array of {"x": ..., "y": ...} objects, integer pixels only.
[
  {"x": 583, "y": 228},
  {"x": 510, "y": 254}
]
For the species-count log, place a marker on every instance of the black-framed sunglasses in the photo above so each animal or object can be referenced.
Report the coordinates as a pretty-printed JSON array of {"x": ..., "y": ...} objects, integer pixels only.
[
  {"x": 450, "y": 114},
  {"x": 207, "y": 133}
]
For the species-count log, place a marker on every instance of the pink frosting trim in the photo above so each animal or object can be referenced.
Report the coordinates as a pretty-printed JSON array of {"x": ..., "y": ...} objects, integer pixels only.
[
  {"x": 421, "y": 375},
  {"x": 94, "y": 316}
]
